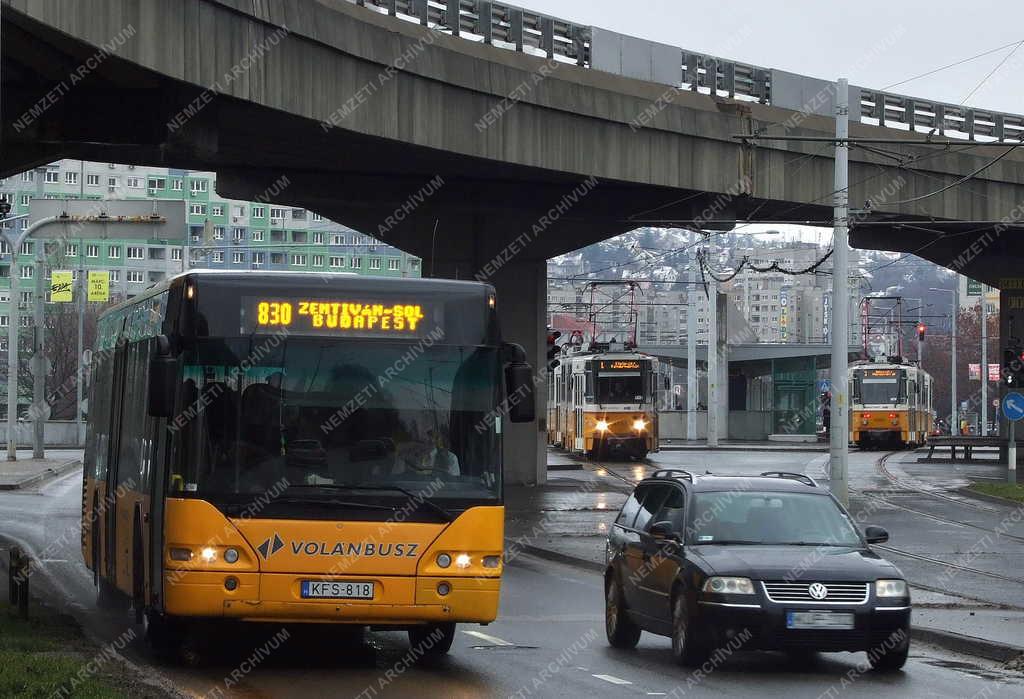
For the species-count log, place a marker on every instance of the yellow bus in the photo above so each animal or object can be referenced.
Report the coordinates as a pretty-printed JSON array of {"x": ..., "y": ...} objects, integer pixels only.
[{"x": 292, "y": 447}]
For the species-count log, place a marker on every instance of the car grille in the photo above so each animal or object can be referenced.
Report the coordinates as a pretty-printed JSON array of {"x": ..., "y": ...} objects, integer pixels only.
[{"x": 838, "y": 593}]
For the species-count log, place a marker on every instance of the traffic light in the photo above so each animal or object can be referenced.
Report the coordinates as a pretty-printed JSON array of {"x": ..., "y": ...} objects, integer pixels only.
[
  {"x": 921, "y": 329},
  {"x": 1013, "y": 367},
  {"x": 553, "y": 349}
]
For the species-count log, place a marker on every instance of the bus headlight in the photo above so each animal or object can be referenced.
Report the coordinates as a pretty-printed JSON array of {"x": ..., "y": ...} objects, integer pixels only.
[
  {"x": 602, "y": 426},
  {"x": 639, "y": 425}
]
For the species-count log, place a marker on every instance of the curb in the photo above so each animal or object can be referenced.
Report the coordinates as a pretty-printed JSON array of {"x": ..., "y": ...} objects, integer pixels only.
[
  {"x": 958, "y": 643},
  {"x": 45, "y": 475},
  {"x": 968, "y": 645},
  {"x": 781, "y": 450},
  {"x": 565, "y": 467},
  {"x": 967, "y": 492},
  {"x": 558, "y": 557}
]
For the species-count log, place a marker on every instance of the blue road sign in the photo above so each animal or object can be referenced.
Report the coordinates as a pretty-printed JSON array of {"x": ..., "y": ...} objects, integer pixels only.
[
  {"x": 1013, "y": 406},
  {"x": 824, "y": 386}
]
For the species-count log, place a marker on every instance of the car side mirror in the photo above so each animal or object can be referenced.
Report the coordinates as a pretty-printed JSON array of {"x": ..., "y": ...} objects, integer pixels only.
[
  {"x": 163, "y": 378},
  {"x": 876, "y": 535},
  {"x": 664, "y": 531}
]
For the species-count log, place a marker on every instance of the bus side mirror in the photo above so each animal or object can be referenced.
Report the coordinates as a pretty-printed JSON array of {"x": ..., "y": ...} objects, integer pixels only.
[
  {"x": 163, "y": 378},
  {"x": 519, "y": 388},
  {"x": 519, "y": 385}
]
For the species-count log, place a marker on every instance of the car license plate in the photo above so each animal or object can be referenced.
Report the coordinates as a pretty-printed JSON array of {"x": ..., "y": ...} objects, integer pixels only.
[
  {"x": 819, "y": 620},
  {"x": 336, "y": 589}
]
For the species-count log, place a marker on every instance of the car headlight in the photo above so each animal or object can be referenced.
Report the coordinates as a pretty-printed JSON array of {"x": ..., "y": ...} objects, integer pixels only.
[
  {"x": 731, "y": 586},
  {"x": 602, "y": 426},
  {"x": 891, "y": 588},
  {"x": 639, "y": 425}
]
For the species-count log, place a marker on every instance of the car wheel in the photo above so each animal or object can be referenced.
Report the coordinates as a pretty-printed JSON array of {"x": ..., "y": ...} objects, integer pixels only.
[
  {"x": 622, "y": 632},
  {"x": 885, "y": 660},
  {"x": 432, "y": 641},
  {"x": 685, "y": 647}
]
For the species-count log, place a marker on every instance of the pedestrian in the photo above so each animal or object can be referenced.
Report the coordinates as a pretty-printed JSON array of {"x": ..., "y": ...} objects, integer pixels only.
[{"x": 826, "y": 418}]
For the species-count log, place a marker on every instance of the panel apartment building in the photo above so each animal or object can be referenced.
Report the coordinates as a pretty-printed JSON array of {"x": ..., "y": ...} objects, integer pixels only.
[{"x": 219, "y": 233}]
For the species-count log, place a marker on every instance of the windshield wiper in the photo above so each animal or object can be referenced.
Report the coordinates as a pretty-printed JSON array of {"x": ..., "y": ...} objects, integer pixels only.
[
  {"x": 331, "y": 501},
  {"x": 418, "y": 499}
]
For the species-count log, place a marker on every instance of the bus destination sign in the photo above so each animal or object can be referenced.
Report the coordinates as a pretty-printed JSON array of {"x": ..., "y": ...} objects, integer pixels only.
[{"x": 346, "y": 317}]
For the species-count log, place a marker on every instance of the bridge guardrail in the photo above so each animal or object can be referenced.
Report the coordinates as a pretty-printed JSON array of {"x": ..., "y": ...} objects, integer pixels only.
[{"x": 523, "y": 30}]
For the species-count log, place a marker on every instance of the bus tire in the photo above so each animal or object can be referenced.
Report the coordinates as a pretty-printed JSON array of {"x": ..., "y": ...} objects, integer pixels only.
[
  {"x": 163, "y": 634},
  {"x": 432, "y": 640}
]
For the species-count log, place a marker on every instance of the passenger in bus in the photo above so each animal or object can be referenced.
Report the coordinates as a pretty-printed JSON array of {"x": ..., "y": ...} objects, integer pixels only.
[{"x": 426, "y": 453}]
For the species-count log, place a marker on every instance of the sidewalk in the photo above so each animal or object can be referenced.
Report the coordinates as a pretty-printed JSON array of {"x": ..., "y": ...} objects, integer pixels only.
[
  {"x": 567, "y": 521},
  {"x": 728, "y": 445},
  {"x": 27, "y": 472}
]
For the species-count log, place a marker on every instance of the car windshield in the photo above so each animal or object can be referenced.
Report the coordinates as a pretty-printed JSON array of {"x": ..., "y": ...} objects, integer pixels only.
[
  {"x": 329, "y": 414},
  {"x": 748, "y": 517}
]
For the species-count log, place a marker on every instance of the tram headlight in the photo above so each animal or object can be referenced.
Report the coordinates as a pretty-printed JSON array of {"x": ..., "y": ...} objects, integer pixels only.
[
  {"x": 639, "y": 425},
  {"x": 602, "y": 426},
  {"x": 208, "y": 554},
  {"x": 231, "y": 555}
]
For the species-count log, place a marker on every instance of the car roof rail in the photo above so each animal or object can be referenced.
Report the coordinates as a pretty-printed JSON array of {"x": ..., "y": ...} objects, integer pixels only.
[
  {"x": 672, "y": 473},
  {"x": 803, "y": 478}
]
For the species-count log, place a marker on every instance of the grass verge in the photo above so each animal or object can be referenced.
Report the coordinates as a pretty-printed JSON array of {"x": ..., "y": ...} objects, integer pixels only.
[
  {"x": 48, "y": 656},
  {"x": 1001, "y": 490}
]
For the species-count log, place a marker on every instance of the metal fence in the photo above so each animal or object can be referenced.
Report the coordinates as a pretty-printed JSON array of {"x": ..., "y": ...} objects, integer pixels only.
[{"x": 518, "y": 29}]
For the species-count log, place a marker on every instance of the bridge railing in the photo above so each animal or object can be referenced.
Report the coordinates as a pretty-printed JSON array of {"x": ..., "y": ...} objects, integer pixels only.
[{"x": 519, "y": 29}]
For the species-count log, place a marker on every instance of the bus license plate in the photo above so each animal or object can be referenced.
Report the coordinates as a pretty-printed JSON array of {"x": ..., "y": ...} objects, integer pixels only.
[
  {"x": 336, "y": 589},
  {"x": 819, "y": 620}
]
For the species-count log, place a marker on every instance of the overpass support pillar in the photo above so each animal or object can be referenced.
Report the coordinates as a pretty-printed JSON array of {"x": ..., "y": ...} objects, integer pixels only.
[
  {"x": 522, "y": 313},
  {"x": 521, "y": 286}
]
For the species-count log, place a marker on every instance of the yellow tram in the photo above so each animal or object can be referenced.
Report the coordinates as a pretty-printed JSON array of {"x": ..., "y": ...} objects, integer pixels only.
[
  {"x": 603, "y": 403},
  {"x": 890, "y": 404}
]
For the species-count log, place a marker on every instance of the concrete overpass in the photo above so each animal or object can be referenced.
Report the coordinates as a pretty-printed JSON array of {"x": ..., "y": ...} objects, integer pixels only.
[{"x": 483, "y": 160}]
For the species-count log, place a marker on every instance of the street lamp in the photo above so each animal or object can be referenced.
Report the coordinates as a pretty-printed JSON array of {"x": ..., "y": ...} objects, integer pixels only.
[{"x": 952, "y": 360}]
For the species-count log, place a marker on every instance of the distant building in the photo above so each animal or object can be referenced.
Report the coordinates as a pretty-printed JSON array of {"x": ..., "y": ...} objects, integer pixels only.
[{"x": 220, "y": 233}]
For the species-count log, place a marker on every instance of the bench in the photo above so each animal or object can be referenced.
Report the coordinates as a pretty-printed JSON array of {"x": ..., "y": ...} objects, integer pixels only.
[{"x": 966, "y": 442}]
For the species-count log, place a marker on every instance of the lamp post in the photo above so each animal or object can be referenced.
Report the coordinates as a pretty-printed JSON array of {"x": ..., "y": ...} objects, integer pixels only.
[{"x": 14, "y": 322}]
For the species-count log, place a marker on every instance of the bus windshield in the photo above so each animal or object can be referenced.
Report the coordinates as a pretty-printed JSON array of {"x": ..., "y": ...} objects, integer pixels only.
[{"x": 330, "y": 413}]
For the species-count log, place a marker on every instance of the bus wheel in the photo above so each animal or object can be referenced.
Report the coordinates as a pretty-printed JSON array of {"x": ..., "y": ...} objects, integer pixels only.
[
  {"x": 163, "y": 634},
  {"x": 432, "y": 640}
]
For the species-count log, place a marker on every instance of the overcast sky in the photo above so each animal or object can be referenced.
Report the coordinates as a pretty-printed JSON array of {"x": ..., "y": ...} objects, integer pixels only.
[{"x": 874, "y": 43}]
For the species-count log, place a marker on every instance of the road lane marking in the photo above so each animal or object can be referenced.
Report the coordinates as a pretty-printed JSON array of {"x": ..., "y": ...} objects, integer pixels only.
[
  {"x": 490, "y": 639},
  {"x": 612, "y": 679},
  {"x": 53, "y": 560}
]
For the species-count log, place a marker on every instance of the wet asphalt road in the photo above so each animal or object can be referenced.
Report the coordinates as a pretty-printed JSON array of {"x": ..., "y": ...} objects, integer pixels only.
[{"x": 549, "y": 640}]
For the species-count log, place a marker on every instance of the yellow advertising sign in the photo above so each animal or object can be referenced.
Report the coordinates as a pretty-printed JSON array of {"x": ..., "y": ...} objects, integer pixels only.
[
  {"x": 61, "y": 283},
  {"x": 99, "y": 285}
]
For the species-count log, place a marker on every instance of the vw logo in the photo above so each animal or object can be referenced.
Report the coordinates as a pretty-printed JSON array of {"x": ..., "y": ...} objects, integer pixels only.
[{"x": 818, "y": 591}]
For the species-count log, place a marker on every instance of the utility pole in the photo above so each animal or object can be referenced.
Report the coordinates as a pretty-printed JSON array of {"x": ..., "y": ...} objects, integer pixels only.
[
  {"x": 955, "y": 422},
  {"x": 712, "y": 405},
  {"x": 38, "y": 361},
  {"x": 983, "y": 428},
  {"x": 691, "y": 351},
  {"x": 81, "y": 290},
  {"x": 839, "y": 447}
]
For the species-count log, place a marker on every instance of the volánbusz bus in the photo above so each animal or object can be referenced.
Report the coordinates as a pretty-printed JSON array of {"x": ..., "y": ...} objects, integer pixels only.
[{"x": 292, "y": 447}]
